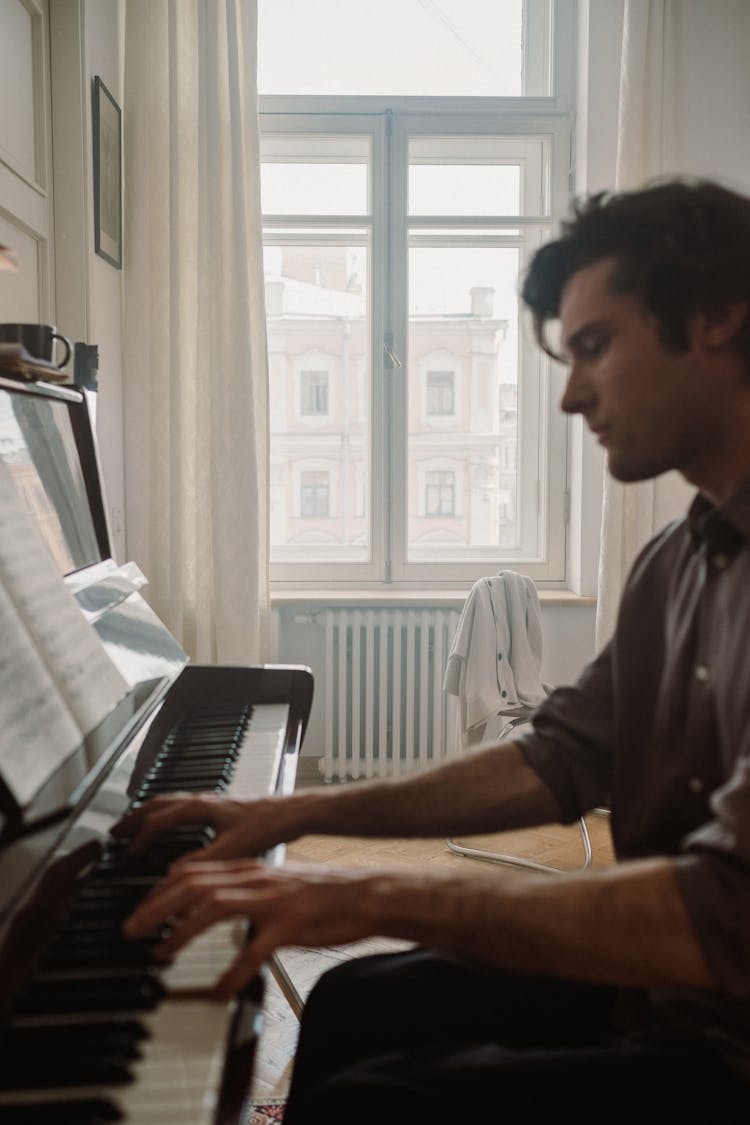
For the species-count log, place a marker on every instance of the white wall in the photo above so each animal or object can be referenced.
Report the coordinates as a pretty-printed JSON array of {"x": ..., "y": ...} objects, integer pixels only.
[{"x": 85, "y": 41}]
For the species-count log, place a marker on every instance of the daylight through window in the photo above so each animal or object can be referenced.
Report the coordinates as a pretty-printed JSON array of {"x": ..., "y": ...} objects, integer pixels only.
[{"x": 403, "y": 380}]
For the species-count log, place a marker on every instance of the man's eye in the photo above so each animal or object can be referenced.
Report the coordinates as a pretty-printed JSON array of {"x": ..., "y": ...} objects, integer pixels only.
[{"x": 592, "y": 346}]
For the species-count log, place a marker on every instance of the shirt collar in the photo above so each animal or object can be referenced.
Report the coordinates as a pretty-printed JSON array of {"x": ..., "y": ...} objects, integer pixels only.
[{"x": 726, "y": 527}]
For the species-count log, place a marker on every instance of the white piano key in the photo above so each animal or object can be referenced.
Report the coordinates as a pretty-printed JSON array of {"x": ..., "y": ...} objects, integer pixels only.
[
  {"x": 199, "y": 965},
  {"x": 178, "y": 1079},
  {"x": 259, "y": 762}
]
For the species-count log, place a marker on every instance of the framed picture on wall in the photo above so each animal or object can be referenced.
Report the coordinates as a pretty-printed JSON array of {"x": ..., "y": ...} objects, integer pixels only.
[{"x": 107, "y": 122}]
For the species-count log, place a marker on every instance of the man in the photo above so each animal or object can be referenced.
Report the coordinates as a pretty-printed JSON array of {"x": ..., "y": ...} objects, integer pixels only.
[{"x": 623, "y": 988}]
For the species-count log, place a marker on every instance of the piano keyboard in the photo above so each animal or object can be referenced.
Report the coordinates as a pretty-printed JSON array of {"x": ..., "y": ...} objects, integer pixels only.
[{"x": 106, "y": 1035}]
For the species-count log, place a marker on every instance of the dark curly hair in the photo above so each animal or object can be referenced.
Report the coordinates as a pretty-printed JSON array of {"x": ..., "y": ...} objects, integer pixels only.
[{"x": 680, "y": 246}]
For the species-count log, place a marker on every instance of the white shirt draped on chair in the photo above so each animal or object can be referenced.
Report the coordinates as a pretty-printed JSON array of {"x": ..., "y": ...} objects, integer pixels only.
[{"x": 495, "y": 660}]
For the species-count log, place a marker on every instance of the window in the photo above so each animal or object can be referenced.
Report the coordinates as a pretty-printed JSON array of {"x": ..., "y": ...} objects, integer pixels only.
[
  {"x": 397, "y": 224},
  {"x": 314, "y": 494},
  {"x": 313, "y": 392},
  {"x": 440, "y": 493},
  {"x": 440, "y": 392}
]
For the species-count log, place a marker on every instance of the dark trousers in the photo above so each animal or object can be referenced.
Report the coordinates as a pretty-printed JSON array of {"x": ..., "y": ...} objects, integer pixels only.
[{"x": 419, "y": 1037}]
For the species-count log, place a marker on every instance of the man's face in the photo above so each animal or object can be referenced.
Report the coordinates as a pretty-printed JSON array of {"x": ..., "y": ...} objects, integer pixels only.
[{"x": 649, "y": 407}]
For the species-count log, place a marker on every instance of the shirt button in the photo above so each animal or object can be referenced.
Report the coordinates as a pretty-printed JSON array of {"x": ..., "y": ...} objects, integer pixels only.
[
  {"x": 719, "y": 561},
  {"x": 695, "y": 785},
  {"x": 702, "y": 673}
]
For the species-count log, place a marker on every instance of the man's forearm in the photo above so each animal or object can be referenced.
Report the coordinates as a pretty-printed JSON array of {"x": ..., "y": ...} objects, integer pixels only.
[
  {"x": 486, "y": 791},
  {"x": 625, "y": 925},
  {"x": 483, "y": 792}
]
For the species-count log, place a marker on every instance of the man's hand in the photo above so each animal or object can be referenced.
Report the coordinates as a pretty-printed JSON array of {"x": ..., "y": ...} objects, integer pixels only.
[
  {"x": 297, "y": 905},
  {"x": 243, "y": 828}
]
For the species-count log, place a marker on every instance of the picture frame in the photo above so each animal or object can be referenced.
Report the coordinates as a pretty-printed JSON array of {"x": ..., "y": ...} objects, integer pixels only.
[{"x": 107, "y": 149}]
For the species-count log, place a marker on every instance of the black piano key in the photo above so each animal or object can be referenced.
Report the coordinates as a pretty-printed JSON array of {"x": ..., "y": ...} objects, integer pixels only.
[
  {"x": 189, "y": 763},
  {"x": 59, "y": 1111},
  {"x": 206, "y": 733},
  {"x": 119, "y": 1031},
  {"x": 101, "y": 1065},
  {"x": 197, "y": 783},
  {"x": 187, "y": 779},
  {"x": 165, "y": 853},
  {"x": 109, "y": 994},
  {"x": 166, "y": 850},
  {"x": 191, "y": 836},
  {"x": 45, "y": 1057},
  {"x": 109, "y": 929},
  {"x": 146, "y": 866},
  {"x": 88, "y": 974},
  {"x": 89, "y": 929},
  {"x": 77, "y": 954},
  {"x": 204, "y": 739},
  {"x": 95, "y": 956},
  {"x": 192, "y": 757},
  {"x": 155, "y": 788},
  {"x": 201, "y": 771},
  {"x": 105, "y": 884},
  {"x": 112, "y": 905}
]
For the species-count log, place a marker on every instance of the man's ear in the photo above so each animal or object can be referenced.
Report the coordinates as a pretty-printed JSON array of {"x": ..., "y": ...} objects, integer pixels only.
[{"x": 715, "y": 329}]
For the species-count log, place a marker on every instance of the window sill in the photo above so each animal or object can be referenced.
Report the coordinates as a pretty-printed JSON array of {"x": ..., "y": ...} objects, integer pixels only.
[{"x": 372, "y": 597}]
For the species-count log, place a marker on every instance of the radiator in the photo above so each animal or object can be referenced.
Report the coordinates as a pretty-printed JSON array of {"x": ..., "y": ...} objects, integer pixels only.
[{"x": 385, "y": 710}]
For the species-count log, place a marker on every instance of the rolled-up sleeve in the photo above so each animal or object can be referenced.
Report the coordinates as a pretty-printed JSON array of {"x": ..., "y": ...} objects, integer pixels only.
[
  {"x": 570, "y": 744},
  {"x": 714, "y": 877}
]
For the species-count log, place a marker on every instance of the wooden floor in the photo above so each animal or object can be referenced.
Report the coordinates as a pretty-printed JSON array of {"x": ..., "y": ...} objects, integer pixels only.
[{"x": 554, "y": 845}]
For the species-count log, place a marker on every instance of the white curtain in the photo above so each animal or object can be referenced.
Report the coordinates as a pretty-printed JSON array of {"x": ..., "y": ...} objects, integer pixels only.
[
  {"x": 684, "y": 109},
  {"x": 195, "y": 384}
]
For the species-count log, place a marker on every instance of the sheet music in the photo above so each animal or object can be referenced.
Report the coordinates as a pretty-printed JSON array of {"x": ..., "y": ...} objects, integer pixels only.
[
  {"x": 45, "y": 641},
  {"x": 37, "y": 731}
]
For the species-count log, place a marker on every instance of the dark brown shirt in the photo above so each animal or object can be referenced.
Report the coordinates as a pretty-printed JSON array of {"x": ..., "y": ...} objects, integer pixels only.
[{"x": 658, "y": 729}]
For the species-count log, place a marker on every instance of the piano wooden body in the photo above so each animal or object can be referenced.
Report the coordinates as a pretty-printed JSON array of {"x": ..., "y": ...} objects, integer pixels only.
[{"x": 91, "y": 1029}]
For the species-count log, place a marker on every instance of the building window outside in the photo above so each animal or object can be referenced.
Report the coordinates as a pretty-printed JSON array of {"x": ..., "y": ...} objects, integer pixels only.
[
  {"x": 314, "y": 494},
  {"x": 396, "y": 232},
  {"x": 440, "y": 493},
  {"x": 440, "y": 392},
  {"x": 313, "y": 393}
]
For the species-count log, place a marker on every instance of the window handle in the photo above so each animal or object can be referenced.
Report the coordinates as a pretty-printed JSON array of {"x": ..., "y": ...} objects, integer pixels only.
[{"x": 392, "y": 359}]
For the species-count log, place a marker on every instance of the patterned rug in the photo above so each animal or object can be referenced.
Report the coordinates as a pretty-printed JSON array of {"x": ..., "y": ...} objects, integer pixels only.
[{"x": 269, "y": 1112}]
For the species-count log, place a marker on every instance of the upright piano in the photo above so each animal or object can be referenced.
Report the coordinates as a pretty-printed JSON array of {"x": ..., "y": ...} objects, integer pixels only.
[{"x": 92, "y": 1030}]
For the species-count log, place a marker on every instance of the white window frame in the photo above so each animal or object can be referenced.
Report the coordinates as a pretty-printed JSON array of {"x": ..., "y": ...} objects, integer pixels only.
[{"x": 389, "y": 123}]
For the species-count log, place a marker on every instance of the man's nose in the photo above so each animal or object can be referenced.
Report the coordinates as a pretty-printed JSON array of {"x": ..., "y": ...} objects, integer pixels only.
[{"x": 577, "y": 394}]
